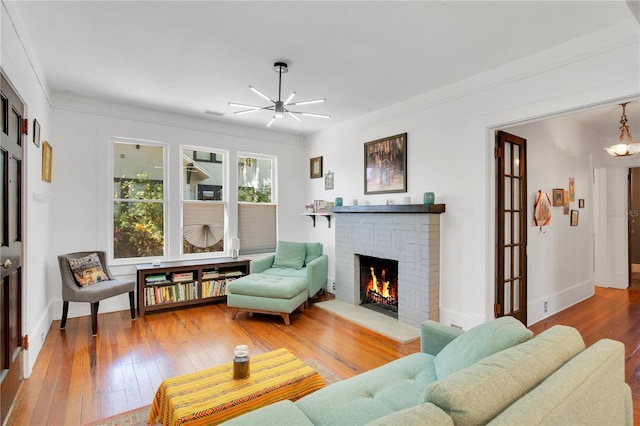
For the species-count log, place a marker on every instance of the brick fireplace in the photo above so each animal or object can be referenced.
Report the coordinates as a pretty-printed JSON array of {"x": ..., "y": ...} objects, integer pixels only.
[{"x": 408, "y": 234}]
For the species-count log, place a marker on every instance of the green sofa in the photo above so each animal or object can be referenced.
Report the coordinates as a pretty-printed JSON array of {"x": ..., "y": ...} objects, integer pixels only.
[
  {"x": 492, "y": 374},
  {"x": 282, "y": 282}
]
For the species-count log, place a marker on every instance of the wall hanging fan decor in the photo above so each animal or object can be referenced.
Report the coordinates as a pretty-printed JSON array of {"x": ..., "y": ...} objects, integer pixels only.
[{"x": 279, "y": 107}]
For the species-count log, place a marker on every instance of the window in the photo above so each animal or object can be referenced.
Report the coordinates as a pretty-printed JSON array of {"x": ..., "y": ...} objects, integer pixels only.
[
  {"x": 256, "y": 207},
  {"x": 203, "y": 205},
  {"x": 138, "y": 200}
]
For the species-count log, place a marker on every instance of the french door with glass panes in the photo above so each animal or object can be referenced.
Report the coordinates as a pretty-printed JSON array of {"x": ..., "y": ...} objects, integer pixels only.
[{"x": 511, "y": 227}]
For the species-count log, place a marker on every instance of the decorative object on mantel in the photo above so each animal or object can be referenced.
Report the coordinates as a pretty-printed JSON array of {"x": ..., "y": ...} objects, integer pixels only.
[
  {"x": 385, "y": 165},
  {"x": 36, "y": 133},
  {"x": 625, "y": 146},
  {"x": 338, "y": 201},
  {"x": 315, "y": 167},
  {"x": 328, "y": 181},
  {"x": 47, "y": 159},
  {"x": 392, "y": 208},
  {"x": 279, "y": 107},
  {"x": 542, "y": 210},
  {"x": 429, "y": 198}
]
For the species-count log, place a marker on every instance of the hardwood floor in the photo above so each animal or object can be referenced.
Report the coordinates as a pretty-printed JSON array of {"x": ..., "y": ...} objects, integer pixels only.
[{"x": 78, "y": 379}]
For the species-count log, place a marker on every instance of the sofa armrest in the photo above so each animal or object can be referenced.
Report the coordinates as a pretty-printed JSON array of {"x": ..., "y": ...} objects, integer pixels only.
[
  {"x": 317, "y": 272},
  {"x": 262, "y": 264},
  {"x": 435, "y": 336}
]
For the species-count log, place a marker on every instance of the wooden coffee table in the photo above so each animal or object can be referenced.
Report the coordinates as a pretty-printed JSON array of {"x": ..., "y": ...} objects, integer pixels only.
[{"x": 212, "y": 396}]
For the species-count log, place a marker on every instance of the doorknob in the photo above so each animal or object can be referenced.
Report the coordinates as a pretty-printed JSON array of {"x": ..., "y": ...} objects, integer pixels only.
[{"x": 6, "y": 264}]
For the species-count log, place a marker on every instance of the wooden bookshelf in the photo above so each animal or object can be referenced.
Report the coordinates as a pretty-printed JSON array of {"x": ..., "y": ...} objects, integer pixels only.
[{"x": 185, "y": 283}]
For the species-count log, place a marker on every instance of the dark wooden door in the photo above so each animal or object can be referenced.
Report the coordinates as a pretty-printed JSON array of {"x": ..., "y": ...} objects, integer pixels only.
[
  {"x": 511, "y": 227},
  {"x": 11, "y": 373}
]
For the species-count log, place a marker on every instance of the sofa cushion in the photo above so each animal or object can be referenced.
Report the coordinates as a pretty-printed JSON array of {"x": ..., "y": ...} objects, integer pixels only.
[
  {"x": 478, "y": 393},
  {"x": 261, "y": 285},
  {"x": 87, "y": 270},
  {"x": 314, "y": 251},
  {"x": 420, "y": 415},
  {"x": 287, "y": 272},
  {"x": 282, "y": 413},
  {"x": 290, "y": 255},
  {"x": 480, "y": 342},
  {"x": 360, "y": 399}
]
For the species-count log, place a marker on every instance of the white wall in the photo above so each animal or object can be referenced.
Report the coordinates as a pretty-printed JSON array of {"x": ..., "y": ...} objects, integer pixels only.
[
  {"x": 450, "y": 145},
  {"x": 81, "y": 208}
]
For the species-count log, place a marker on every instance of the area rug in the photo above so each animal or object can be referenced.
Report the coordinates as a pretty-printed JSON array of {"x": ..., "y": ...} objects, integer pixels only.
[
  {"x": 138, "y": 416},
  {"x": 380, "y": 323}
]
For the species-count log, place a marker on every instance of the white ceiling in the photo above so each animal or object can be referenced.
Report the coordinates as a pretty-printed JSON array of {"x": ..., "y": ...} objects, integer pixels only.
[{"x": 189, "y": 57}]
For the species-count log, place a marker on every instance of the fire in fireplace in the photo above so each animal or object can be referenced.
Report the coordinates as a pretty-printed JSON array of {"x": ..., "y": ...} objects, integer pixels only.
[{"x": 379, "y": 285}]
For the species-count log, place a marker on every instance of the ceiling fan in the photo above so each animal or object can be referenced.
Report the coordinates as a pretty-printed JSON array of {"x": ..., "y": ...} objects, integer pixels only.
[{"x": 279, "y": 107}]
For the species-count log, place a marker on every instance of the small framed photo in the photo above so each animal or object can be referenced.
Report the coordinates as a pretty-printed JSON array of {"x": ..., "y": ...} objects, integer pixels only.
[
  {"x": 581, "y": 203},
  {"x": 558, "y": 197},
  {"x": 36, "y": 132},
  {"x": 315, "y": 168},
  {"x": 47, "y": 158},
  {"x": 574, "y": 217},
  {"x": 328, "y": 181}
]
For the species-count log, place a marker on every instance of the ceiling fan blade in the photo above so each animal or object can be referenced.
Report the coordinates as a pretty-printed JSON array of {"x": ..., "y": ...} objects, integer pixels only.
[
  {"x": 312, "y": 101},
  {"x": 234, "y": 104},
  {"x": 256, "y": 91},
  {"x": 289, "y": 98},
  {"x": 313, "y": 114},
  {"x": 246, "y": 111},
  {"x": 294, "y": 116}
]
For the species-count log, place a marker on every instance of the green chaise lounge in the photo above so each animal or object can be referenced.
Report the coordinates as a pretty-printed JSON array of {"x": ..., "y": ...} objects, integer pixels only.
[{"x": 282, "y": 282}]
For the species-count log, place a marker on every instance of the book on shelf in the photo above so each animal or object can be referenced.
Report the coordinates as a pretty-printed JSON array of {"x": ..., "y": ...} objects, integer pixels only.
[
  {"x": 233, "y": 273},
  {"x": 209, "y": 275},
  {"x": 181, "y": 276},
  {"x": 155, "y": 279}
]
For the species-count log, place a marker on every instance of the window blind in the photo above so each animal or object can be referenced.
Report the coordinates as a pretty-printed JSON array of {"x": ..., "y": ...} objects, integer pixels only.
[{"x": 257, "y": 227}]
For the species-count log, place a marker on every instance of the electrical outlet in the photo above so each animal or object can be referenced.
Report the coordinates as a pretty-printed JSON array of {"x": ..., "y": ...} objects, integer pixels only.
[
  {"x": 546, "y": 306},
  {"x": 334, "y": 286},
  {"x": 42, "y": 337}
]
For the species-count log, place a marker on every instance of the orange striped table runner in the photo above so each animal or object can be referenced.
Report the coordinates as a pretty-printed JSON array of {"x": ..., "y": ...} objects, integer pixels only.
[{"x": 212, "y": 396}]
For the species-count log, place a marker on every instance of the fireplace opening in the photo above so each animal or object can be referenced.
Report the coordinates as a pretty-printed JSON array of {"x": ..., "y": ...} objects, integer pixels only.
[{"x": 379, "y": 285}]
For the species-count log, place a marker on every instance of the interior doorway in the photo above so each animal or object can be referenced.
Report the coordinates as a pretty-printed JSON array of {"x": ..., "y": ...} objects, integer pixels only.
[
  {"x": 634, "y": 227},
  {"x": 511, "y": 230}
]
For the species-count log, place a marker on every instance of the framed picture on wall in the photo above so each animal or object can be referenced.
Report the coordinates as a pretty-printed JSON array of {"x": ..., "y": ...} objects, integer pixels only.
[
  {"x": 575, "y": 214},
  {"x": 315, "y": 168},
  {"x": 47, "y": 159},
  {"x": 385, "y": 165},
  {"x": 558, "y": 197},
  {"x": 36, "y": 132}
]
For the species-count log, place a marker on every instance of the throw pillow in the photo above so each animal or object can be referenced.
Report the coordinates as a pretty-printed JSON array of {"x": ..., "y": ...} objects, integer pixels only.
[
  {"x": 290, "y": 255},
  {"x": 314, "y": 251},
  {"x": 480, "y": 342},
  {"x": 87, "y": 270}
]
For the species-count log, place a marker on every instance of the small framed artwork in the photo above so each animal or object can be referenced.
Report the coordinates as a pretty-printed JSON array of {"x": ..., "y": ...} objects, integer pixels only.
[
  {"x": 36, "y": 132},
  {"x": 47, "y": 159},
  {"x": 566, "y": 202},
  {"x": 581, "y": 203},
  {"x": 572, "y": 189},
  {"x": 328, "y": 181},
  {"x": 315, "y": 167},
  {"x": 558, "y": 197},
  {"x": 575, "y": 214},
  {"x": 385, "y": 165}
]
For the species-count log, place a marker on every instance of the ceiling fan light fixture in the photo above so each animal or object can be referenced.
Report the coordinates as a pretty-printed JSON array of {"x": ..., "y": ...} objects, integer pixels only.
[
  {"x": 279, "y": 108},
  {"x": 625, "y": 147}
]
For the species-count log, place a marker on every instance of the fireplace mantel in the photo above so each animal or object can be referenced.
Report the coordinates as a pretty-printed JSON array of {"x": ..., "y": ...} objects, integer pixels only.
[{"x": 391, "y": 208}]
